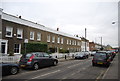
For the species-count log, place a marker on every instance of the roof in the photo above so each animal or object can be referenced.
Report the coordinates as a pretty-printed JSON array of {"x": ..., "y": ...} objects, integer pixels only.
[{"x": 22, "y": 21}]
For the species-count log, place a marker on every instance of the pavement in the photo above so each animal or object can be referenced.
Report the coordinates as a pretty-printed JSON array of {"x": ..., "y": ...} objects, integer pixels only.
[
  {"x": 63, "y": 59},
  {"x": 112, "y": 71}
]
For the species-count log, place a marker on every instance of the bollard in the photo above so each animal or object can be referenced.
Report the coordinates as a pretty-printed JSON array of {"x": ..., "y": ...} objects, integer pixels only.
[
  {"x": 72, "y": 55},
  {"x": 65, "y": 56},
  {"x": 56, "y": 56}
]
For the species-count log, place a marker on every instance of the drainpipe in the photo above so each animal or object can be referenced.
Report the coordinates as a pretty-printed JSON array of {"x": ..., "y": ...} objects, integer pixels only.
[{"x": 0, "y": 27}]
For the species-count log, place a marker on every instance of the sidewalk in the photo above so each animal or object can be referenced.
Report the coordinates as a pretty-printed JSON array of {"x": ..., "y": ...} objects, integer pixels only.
[
  {"x": 112, "y": 71},
  {"x": 63, "y": 59}
]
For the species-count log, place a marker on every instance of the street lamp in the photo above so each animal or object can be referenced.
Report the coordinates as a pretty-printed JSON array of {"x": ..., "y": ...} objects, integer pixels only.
[{"x": 85, "y": 39}]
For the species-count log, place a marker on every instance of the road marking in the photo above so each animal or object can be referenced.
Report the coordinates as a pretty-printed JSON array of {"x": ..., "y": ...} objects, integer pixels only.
[
  {"x": 46, "y": 74},
  {"x": 78, "y": 64},
  {"x": 73, "y": 65},
  {"x": 102, "y": 72},
  {"x": 106, "y": 71},
  {"x": 34, "y": 71}
]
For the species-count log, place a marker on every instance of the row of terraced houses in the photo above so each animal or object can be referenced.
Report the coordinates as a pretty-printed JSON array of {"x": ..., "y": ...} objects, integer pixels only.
[{"x": 15, "y": 31}]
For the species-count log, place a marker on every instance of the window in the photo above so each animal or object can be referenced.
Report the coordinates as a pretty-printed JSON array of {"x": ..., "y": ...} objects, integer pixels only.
[
  {"x": 48, "y": 38},
  {"x": 17, "y": 48},
  {"x": 9, "y": 31},
  {"x": 73, "y": 42},
  {"x": 78, "y": 43},
  {"x": 19, "y": 33},
  {"x": 31, "y": 35},
  {"x": 67, "y": 41},
  {"x": 58, "y": 41},
  {"x": 53, "y": 39},
  {"x": 61, "y": 40},
  {"x": 39, "y": 36},
  {"x": 70, "y": 42}
]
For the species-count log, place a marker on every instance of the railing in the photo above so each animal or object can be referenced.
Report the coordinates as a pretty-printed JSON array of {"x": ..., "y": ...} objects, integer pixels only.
[
  {"x": 16, "y": 58},
  {"x": 61, "y": 55},
  {"x": 10, "y": 59}
]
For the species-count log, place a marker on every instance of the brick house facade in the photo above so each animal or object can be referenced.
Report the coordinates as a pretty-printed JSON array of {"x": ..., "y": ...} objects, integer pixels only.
[{"x": 16, "y": 31}]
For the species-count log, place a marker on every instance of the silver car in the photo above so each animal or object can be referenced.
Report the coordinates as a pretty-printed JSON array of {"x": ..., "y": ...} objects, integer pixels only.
[{"x": 80, "y": 55}]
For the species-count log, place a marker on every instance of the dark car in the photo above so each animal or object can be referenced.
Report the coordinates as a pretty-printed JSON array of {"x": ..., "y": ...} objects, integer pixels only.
[
  {"x": 101, "y": 58},
  {"x": 8, "y": 68},
  {"x": 36, "y": 60},
  {"x": 80, "y": 55},
  {"x": 113, "y": 53}
]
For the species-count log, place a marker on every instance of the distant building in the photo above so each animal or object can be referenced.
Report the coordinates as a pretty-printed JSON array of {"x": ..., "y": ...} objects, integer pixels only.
[
  {"x": 108, "y": 47},
  {"x": 83, "y": 41},
  {"x": 92, "y": 46}
]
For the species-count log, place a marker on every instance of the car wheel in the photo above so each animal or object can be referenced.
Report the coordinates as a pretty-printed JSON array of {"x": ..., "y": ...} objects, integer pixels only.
[
  {"x": 93, "y": 64},
  {"x": 54, "y": 63},
  {"x": 108, "y": 64},
  {"x": 36, "y": 66},
  {"x": 14, "y": 70}
]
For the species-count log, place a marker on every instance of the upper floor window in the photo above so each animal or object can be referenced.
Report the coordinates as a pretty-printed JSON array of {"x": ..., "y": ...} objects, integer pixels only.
[
  {"x": 19, "y": 33},
  {"x": 39, "y": 36},
  {"x": 78, "y": 43},
  {"x": 61, "y": 40},
  {"x": 53, "y": 39},
  {"x": 48, "y": 38},
  {"x": 9, "y": 31},
  {"x": 73, "y": 42},
  {"x": 58, "y": 41},
  {"x": 67, "y": 41},
  {"x": 70, "y": 42},
  {"x": 31, "y": 35}
]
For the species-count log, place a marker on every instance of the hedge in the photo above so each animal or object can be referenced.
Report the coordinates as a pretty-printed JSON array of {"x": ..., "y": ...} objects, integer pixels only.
[{"x": 34, "y": 47}]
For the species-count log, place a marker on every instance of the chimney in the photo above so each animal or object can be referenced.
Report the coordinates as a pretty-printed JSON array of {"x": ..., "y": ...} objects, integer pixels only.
[
  {"x": 57, "y": 29},
  {"x": 20, "y": 17}
]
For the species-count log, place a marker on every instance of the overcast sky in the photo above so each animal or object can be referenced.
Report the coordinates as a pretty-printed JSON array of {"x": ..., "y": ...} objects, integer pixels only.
[{"x": 71, "y": 16}]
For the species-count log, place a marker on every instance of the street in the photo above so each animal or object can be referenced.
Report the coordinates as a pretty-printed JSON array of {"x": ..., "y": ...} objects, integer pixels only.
[{"x": 72, "y": 69}]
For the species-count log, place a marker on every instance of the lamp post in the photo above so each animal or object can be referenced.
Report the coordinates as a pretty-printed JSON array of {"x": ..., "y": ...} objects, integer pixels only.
[{"x": 85, "y": 39}]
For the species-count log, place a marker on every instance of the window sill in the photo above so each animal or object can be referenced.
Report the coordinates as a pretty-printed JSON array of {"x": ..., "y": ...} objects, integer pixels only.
[
  {"x": 16, "y": 53},
  {"x": 8, "y": 36},
  {"x": 19, "y": 38},
  {"x": 31, "y": 39},
  {"x": 38, "y": 39}
]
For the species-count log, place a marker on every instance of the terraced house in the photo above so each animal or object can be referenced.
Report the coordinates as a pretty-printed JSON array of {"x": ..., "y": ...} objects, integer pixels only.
[{"x": 16, "y": 31}]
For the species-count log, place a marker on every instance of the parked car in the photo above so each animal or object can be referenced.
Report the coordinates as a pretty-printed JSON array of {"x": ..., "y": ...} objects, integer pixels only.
[
  {"x": 92, "y": 53},
  {"x": 35, "y": 60},
  {"x": 87, "y": 53},
  {"x": 80, "y": 55},
  {"x": 101, "y": 58},
  {"x": 113, "y": 53},
  {"x": 8, "y": 68}
]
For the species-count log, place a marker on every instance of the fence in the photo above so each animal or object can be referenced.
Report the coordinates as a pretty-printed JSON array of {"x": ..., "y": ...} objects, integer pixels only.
[
  {"x": 16, "y": 58},
  {"x": 10, "y": 59}
]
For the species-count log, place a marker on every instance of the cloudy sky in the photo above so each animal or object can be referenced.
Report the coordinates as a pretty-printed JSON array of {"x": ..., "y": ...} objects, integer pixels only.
[{"x": 71, "y": 16}]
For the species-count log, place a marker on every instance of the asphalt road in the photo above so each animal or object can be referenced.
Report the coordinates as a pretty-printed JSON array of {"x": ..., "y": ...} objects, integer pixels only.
[{"x": 71, "y": 69}]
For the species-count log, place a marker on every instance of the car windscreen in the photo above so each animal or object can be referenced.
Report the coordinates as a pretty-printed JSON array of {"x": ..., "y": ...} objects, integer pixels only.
[
  {"x": 80, "y": 53},
  {"x": 100, "y": 56}
]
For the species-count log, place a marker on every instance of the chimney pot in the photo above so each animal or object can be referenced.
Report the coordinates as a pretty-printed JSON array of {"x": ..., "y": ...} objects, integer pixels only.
[
  {"x": 57, "y": 29},
  {"x": 20, "y": 17}
]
